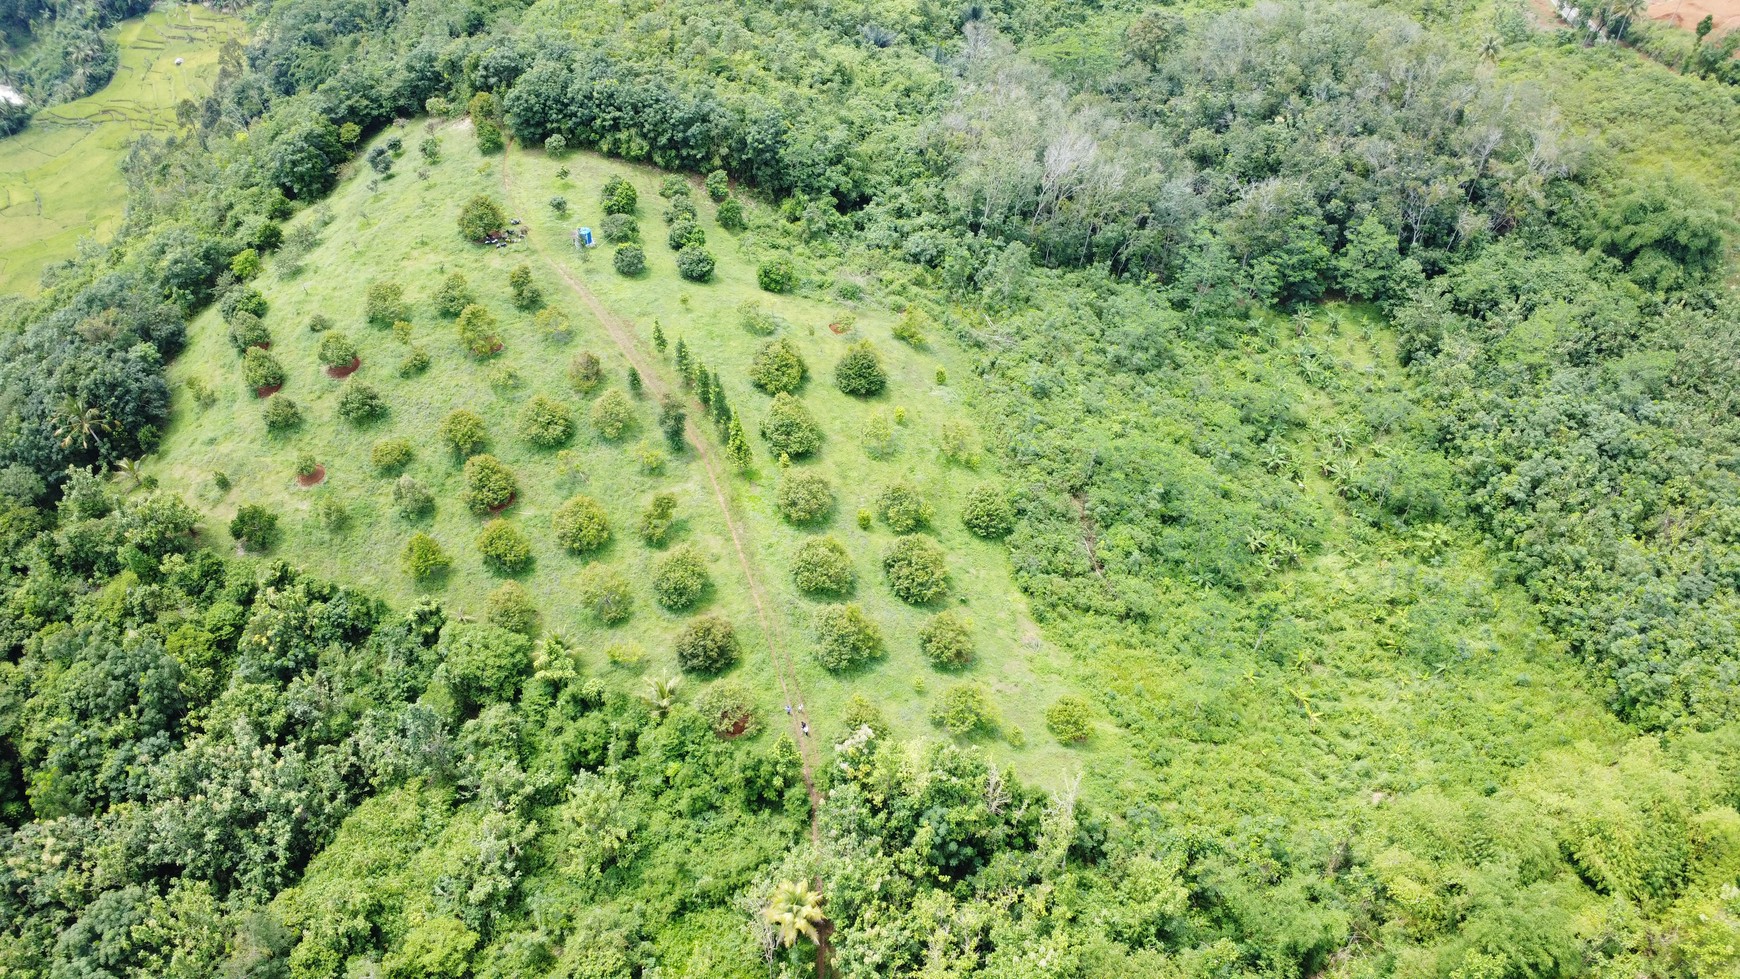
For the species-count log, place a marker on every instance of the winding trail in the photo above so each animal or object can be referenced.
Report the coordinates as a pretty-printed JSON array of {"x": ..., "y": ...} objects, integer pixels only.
[{"x": 651, "y": 374}]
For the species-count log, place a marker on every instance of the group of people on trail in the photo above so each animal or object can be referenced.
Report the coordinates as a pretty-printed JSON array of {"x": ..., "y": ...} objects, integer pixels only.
[{"x": 804, "y": 725}]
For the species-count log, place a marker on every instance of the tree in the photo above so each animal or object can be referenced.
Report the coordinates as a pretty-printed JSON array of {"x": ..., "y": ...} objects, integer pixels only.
[
  {"x": 483, "y": 664},
  {"x": 412, "y": 499},
  {"x": 730, "y": 215},
  {"x": 511, "y": 607},
  {"x": 988, "y": 512},
  {"x": 777, "y": 367},
  {"x": 477, "y": 331},
  {"x": 384, "y": 303},
  {"x": 680, "y": 579},
  {"x": 489, "y": 485},
  {"x": 658, "y": 517},
  {"x": 606, "y": 595},
  {"x": 903, "y": 509},
  {"x": 480, "y": 217},
  {"x": 672, "y": 420},
  {"x": 846, "y": 637},
  {"x": 1367, "y": 267},
  {"x": 581, "y": 524},
  {"x": 619, "y": 196},
  {"x": 246, "y": 331},
  {"x": 718, "y": 184},
  {"x": 245, "y": 264},
  {"x": 916, "y": 569},
  {"x": 255, "y": 528},
  {"x": 685, "y": 234},
  {"x": 526, "y": 294},
  {"x": 261, "y": 370},
  {"x": 821, "y": 566},
  {"x": 795, "y": 910},
  {"x": 546, "y": 423},
  {"x": 554, "y": 325},
  {"x": 913, "y": 327},
  {"x": 282, "y": 415},
  {"x": 804, "y": 497},
  {"x": 454, "y": 295},
  {"x": 337, "y": 350},
  {"x": 612, "y": 415},
  {"x": 695, "y": 263},
  {"x": 629, "y": 260},
  {"x": 585, "y": 372},
  {"x": 489, "y": 138},
  {"x": 777, "y": 276},
  {"x": 463, "y": 432},
  {"x": 789, "y": 429},
  {"x": 707, "y": 645},
  {"x": 737, "y": 446},
  {"x": 859, "y": 371},
  {"x": 81, "y": 425},
  {"x": 423, "y": 559},
  {"x": 504, "y": 549},
  {"x": 946, "y": 639},
  {"x": 1070, "y": 719},
  {"x": 361, "y": 404},
  {"x": 556, "y": 144},
  {"x": 964, "y": 709},
  {"x": 620, "y": 229}
]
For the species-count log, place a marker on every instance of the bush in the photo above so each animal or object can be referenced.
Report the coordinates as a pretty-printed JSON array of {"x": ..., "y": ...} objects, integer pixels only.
[
  {"x": 685, "y": 234},
  {"x": 423, "y": 559},
  {"x": 556, "y": 144},
  {"x": 559, "y": 204},
  {"x": 619, "y": 197},
  {"x": 511, "y": 607},
  {"x": 245, "y": 264},
  {"x": 489, "y": 485},
  {"x": 330, "y": 512},
  {"x": 901, "y": 507},
  {"x": 681, "y": 211},
  {"x": 282, "y": 415},
  {"x": 612, "y": 415},
  {"x": 489, "y": 138},
  {"x": 482, "y": 665},
  {"x": 778, "y": 276},
  {"x": 707, "y": 645},
  {"x": 695, "y": 263},
  {"x": 384, "y": 303},
  {"x": 605, "y": 594},
  {"x": 620, "y": 229},
  {"x": 246, "y": 331},
  {"x": 878, "y": 436},
  {"x": 255, "y": 528},
  {"x": 789, "y": 429},
  {"x": 674, "y": 186},
  {"x": 756, "y": 320},
  {"x": 729, "y": 708},
  {"x": 246, "y": 299},
  {"x": 504, "y": 549},
  {"x": 585, "y": 372},
  {"x": 718, "y": 185},
  {"x": 629, "y": 260},
  {"x": 947, "y": 640},
  {"x": 391, "y": 456},
  {"x": 337, "y": 350},
  {"x": 730, "y": 215},
  {"x": 964, "y": 709},
  {"x": 1070, "y": 720},
  {"x": 306, "y": 465},
  {"x": 526, "y": 294},
  {"x": 581, "y": 524},
  {"x": 361, "y": 403},
  {"x": 454, "y": 295},
  {"x": 477, "y": 331},
  {"x": 859, "y": 371},
  {"x": 988, "y": 512},
  {"x": 680, "y": 579},
  {"x": 778, "y": 367},
  {"x": 804, "y": 498},
  {"x": 261, "y": 370},
  {"x": 916, "y": 569},
  {"x": 910, "y": 330},
  {"x": 319, "y": 323},
  {"x": 480, "y": 217},
  {"x": 412, "y": 499},
  {"x": 845, "y": 637},
  {"x": 416, "y": 362},
  {"x": 821, "y": 566},
  {"x": 546, "y": 423},
  {"x": 554, "y": 325},
  {"x": 656, "y": 520},
  {"x": 463, "y": 433}
]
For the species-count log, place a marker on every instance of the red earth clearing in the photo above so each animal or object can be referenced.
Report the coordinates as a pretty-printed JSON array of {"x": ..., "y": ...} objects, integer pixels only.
[
  {"x": 267, "y": 392},
  {"x": 314, "y": 478},
  {"x": 504, "y": 506},
  {"x": 345, "y": 370}
]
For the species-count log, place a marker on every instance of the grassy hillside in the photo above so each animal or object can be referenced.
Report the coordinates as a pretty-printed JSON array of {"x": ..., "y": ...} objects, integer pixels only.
[{"x": 60, "y": 179}]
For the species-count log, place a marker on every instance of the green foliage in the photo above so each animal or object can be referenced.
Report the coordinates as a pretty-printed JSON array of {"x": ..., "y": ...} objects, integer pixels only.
[
  {"x": 789, "y": 429},
  {"x": 454, "y": 295},
  {"x": 730, "y": 215},
  {"x": 846, "y": 637},
  {"x": 613, "y": 416},
  {"x": 965, "y": 709},
  {"x": 423, "y": 559},
  {"x": 480, "y": 217},
  {"x": 463, "y": 432},
  {"x": 620, "y": 229},
  {"x": 411, "y": 499},
  {"x": 946, "y": 639},
  {"x": 511, "y": 607},
  {"x": 777, "y": 367},
  {"x": 718, "y": 185},
  {"x": 1667, "y": 236},
  {"x": 585, "y": 372},
  {"x": 261, "y": 370},
  {"x": 503, "y": 548},
  {"x": 903, "y": 509},
  {"x": 489, "y": 485},
  {"x": 859, "y": 371},
  {"x": 554, "y": 325},
  {"x": 581, "y": 524},
  {"x": 628, "y": 260},
  {"x": 777, "y": 276},
  {"x": 707, "y": 645},
  {"x": 416, "y": 361},
  {"x": 672, "y": 420},
  {"x": 361, "y": 404},
  {"x": 916, "y": 569},
  {"x": 680, "y": 579},
  {"x": 337, "y": 350},
  {"x": 618, "y": 197},
  {"x": 489, "y": 138},
  {"x": 657, "y": 519},
  {"x": 1070, "y": 720},
  {"x": 439, "y": 948},
  {"x": 384, "y": 304},
  {"x": 685, "y": 234},
  {"x": 255, "y": 527},
  {"x": 525, "y": 292},
  {"x": 729, "y": 708},
  {"x": 821, "y": 566},
  {"x": 246, "y": 331},
  {"x": 477, "y": 331},
  {"x": 695, "y": 263},
  {"x": 546, "y": 423},
  {"x": 483, "y": 664},
  {"x": 988, "y": 512},
  {"x": 913, "y": 328},
  {"x": 606, "y": 594},
  {"x": 282, "y": 414}
]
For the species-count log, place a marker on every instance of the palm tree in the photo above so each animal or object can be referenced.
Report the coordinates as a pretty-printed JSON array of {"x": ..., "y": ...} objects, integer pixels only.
[
  {"x": 130, "y": 469},
  {"x": 76, "y": 423},
  {"x": 1627, "y": 12},
  {"x": 795, "y": 910},
  {"x": 661, "y": 695},
  {"x": 1490, "y": 47}
]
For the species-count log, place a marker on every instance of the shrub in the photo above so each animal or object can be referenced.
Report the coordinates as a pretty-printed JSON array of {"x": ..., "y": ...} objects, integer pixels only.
[
  {"x": 261, "y": 370},
  {"x": 947, "y": 640},
  {"x": 718, "y": 185},
  {"x": 901, "y": 507},
  {"x": 245, "y": 264},
  {"x": 845, "y": 636},
  {"x": 546, "y": 423},
  {"x": 337, "y": 350},
  {"x": 707, "y": 645},
  {"x": 756, "y": 320},
  {"x": 306, "y": 465},
  {"x": 1070, "y": 720},
  {"x": 480, "y": 217},
  {"x": 859, "y": 371},
  {"x": 657, "y": 518},
  {"x": 319, "y": 323},
  {"x": 680, "y": 579},
  {"x": 282, "y": 415},
  {"x": 777, "y": 276},
  {"x": 672, "y": 419},
  {"x": 612, "y": 415},
  {"x": 674, "y": 185},
  {"x": 489, "y": 138},
  {"x": 504, "y": 549},
  {"x": 581, "y": 524},
  {"x": 730, "y": 215},
  {"x": 412, "y": 499},
  {"x": 619, "y": 196},
  {"x": 477, "y": 331},
  {"x": 330, "y": 513},
  {"x": 391, "y": 456},
  {"x": 956, "y": 444},
  {"x": 988, "y": 512},
  {"x": 964, "y": 709},
  {"x": 585, "y": 372},
  {"x": 454, "y": 295},
  {"x": 559, "y": 204},
  {"x": 255, "y": 528},
  {"x": 620, "y": 229},
  {"x": 916, "y": 568},
  {"x": 554, "y": 325},
  {"x": 877, "y": 436},
  {"x": 911, "y": 327},
  {"x": 804, "y": 498},
  {"x": 605, "y": 594},
  {"x": 778, "y": 367},
  {"x": 695, "y": 263},
  {"x": 729, "y": 708},
  {"x": 423, "y": 559},
  {"x": 789, "y": 429},
  {"x": 384, "y": 303},
  {"x": 416, "y": 362},
  {"x": 361, "y": 403},
  {"x": 489, "y": 485},
  {"x": 681, "y": 211},
  {"x": 511, "y": 607},
  {"x": 684, "y": 234},
  {"x": 821, "y": 566},
  {"x": 629, "y": 260},
  {"x": 463, "y": 433},
  {"x": 526, "y": 294},
  {"x": 246, "y": 331},
  {"x": 556, "y": 144},
  {"x": 860, "y": 712},
  {"x": 246, "y": 299}
]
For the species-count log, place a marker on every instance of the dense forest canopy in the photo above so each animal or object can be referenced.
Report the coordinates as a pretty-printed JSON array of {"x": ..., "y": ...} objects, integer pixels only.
[{"x": 1358, "y": 417}]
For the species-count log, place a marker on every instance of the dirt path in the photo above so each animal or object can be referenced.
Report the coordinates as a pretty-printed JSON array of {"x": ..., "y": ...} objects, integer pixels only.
[{"x": 650, "y": 371}]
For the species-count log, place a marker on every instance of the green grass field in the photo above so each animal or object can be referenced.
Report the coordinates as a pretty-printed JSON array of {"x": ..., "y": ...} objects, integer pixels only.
[
  {"x": 60, "y": 179},
  {"x": 403, "y": 229}
]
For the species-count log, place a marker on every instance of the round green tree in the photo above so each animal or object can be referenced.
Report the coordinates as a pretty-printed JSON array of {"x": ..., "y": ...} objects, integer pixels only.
[
  {"x": 903, "y": 509},
  {"x": 695, "y": 263},
  {"x": 361, "y": 403},
  {"x": 463, "y": 433},
  {"x": 511, "y": 607},
  {"x": 503, "y": 548},
  {"x": 778, "y": 275},
  {"x": 680, "y": 578},
  {"x": 730, "y": 216},
  {"x": 804, "y": 497},
  {"x": 489, "y": 485},
  {"x": 916, "y": 569},
  {"x": 337, "y": 350},
  {"x": 629, "y": 260},
  {"x": 619, "y": 229},
  {"x": 988, "y": 512},
  {"x": 477, "y": 331},
  {"x": 453, "y": 296},
  {"x": 947, "y": 640},
  {"x": 546, "y": 423},
  {"x": 612, "y": 416},
  {"x": 261, "y": 370},
  {"x": 859, "y": 371},
  {"x": 1070, "y": 720},
  {"x": 391, "y": 456},
  {"x": 619, "y": 196},
  {"x": 282, "y": 415},
  {"x": 707, "y": 645},
  {"x": 845, "y": 636},
  {"x": 423, "y": 559},
  {"x": 821, "y": 566},
  {"x": 254, "y": 527},
  {"x": 789, "y": 428},
  {"x": 777, "y": 367},
  {"x": 965, "y": 709},
  {"x": 605, "y": 594},
  {"x": 581, "y": 524},
  {"x": 412, "y": 499}
]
